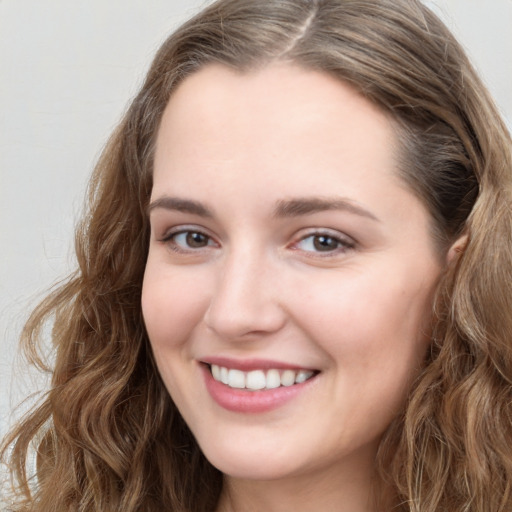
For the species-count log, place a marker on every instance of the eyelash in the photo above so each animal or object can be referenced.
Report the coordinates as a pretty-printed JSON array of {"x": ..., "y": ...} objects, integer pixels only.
[
  {"x": 343, "y": 244},
  {"x": 170, "y": 240}
]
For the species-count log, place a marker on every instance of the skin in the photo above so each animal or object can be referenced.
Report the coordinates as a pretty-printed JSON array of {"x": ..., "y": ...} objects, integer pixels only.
[{"x": 259, "y": 284}]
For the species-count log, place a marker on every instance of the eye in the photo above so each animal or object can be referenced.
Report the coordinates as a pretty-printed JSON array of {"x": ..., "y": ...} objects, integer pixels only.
[
  {"x": 324, "y": 243},
  {"x": 187, "y": 240}
]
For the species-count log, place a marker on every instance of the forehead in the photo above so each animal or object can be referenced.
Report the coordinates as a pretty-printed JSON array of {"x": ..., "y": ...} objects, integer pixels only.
[
  {"x": 269, "y": 92},
  {"x": 269, "y": 116}
]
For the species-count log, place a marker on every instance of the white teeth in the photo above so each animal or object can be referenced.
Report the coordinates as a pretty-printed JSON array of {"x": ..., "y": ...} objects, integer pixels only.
[
  {"x": 236, "y": 379},
  {"x": 302, "y": 376},
  {"x": 288, "y": 378},
  {"x": 256, "y": 380},
  {"x": 259, "y": 379},
  {"x": 273, "y": 379},
  {"x": 216, "y": 372}
]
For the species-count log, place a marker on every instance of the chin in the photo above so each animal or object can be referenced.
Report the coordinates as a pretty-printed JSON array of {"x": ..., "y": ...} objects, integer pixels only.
[{"x": 259, "y": 465}]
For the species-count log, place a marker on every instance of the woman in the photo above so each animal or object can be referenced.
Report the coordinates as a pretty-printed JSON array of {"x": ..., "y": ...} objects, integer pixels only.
[{"x": 294, "y": 278}]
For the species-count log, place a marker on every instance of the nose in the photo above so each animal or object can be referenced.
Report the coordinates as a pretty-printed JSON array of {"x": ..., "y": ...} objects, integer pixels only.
[{"x": 246, "y": 299}]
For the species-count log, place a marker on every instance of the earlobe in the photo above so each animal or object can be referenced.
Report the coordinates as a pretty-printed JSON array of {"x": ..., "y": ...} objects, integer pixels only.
[{"x": 456, "y": 249}]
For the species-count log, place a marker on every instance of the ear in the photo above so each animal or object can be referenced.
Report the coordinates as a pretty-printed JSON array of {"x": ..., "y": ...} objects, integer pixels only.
[{"x": 456, "y": 249}]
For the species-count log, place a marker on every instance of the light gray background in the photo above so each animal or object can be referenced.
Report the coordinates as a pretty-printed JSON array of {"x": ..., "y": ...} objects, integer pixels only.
[{"x": 67, "y": 71}]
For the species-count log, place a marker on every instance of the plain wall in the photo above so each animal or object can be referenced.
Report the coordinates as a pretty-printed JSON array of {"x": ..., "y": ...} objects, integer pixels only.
[{"x": 68, "y": 70}]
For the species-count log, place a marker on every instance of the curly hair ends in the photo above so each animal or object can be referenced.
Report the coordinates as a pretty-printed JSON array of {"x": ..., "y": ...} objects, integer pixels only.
[
  {"x": 107, "y": 435},
  {"x": 451, "y": 448}
]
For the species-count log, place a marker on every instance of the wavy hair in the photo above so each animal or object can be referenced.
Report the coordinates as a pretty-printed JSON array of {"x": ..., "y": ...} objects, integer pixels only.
[{"x": 108, "y": 436}]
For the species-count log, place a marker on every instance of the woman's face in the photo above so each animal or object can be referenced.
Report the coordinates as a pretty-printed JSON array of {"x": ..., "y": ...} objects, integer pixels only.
[{"x": 288, "y": 257}]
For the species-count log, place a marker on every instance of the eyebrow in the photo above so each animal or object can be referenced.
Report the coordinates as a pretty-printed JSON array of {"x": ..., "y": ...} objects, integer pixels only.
[
  {"x": 180, "y": 205},
  {"x": 284, "y": 208},
  {"x": 308, "y": 205}
]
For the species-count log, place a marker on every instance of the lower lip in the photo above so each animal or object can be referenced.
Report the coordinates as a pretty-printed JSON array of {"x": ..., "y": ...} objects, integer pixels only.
[{"x": 245, "y": 401}]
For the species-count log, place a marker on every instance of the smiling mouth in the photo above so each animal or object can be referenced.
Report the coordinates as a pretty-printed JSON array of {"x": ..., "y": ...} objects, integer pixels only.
[{"x": 257, "y": 380}]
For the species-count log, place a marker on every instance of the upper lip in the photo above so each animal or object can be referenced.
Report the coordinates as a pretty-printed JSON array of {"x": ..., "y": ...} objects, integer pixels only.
[{"x": 252, "y": 364}]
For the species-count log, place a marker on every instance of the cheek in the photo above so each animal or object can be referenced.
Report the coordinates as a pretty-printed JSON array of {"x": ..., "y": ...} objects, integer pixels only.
[
  {"x": 369, "y": 318},
  {"x": 172, "y": 305}
]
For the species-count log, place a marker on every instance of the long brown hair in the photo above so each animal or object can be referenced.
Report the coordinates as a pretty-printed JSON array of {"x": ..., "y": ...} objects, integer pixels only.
[{"x": 107, "y": 434}]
